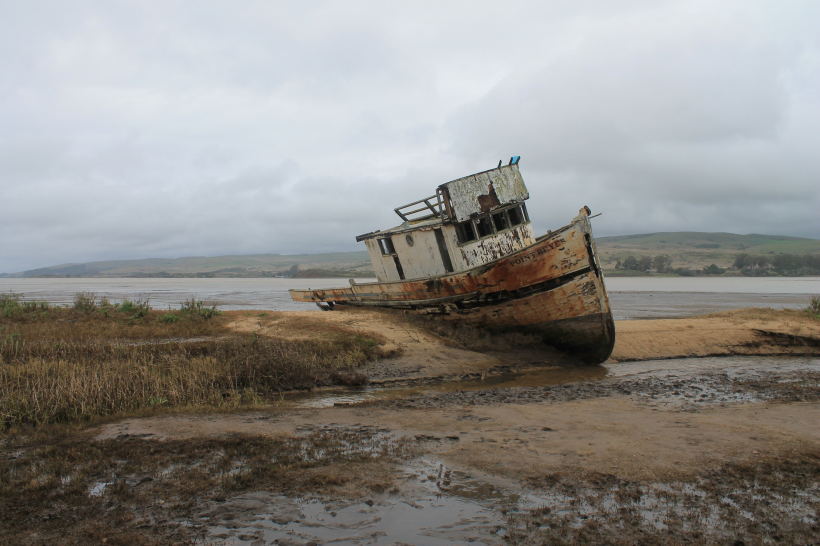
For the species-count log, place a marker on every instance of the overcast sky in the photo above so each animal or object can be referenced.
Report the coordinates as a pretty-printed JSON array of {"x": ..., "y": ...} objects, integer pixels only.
[{"x": 171, "y": 128}]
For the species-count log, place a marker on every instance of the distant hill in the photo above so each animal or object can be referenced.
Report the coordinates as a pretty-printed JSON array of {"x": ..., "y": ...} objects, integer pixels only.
[
  {"x": 687, "y": 249},
  {"x": 697, "y": 249},
  {"x": 255, "y": 265}
]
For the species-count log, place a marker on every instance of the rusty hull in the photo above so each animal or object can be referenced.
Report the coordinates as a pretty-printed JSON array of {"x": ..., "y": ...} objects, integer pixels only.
[{"x": 553, "y": 288}]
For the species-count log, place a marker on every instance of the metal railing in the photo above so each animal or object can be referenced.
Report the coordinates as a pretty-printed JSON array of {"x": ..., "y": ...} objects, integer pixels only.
[{"x": 434, "y": 210}]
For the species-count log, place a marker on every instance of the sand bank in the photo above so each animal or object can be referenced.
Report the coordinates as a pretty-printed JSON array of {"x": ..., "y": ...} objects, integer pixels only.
[{"x": 424, "y": 354}]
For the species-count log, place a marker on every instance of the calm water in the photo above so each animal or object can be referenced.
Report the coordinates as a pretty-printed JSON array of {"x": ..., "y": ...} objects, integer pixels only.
[
  {"x": 637, "y": 297},
  {"x": 634, "y": 297}
]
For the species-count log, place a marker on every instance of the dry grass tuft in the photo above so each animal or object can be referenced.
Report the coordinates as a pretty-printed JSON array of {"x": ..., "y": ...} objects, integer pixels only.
[
  {"x": 763, "y": 314},
  {"x": 61, "y": 382},
  {"x": 93, "y": 319},
  {"x": 68, "y": 364},
  {"x": 813, "y": 310}
]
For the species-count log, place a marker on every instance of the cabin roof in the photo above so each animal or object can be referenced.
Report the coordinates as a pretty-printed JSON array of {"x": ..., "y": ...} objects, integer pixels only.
[
  {"x": 402, "y": 228},
  {"x": 461, "y": 199}
]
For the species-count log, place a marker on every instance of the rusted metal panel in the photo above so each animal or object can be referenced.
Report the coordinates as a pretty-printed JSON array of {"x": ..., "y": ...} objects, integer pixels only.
[
  {"x": 482, "y": 192},
  {"x": 574, "y": 316},
  {"x": 552, "y": 288},
  {"x": 563, "y": 252}
]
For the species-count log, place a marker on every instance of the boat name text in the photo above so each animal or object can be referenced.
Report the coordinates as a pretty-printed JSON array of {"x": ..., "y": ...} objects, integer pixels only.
[{"x": 543, "y": 250}]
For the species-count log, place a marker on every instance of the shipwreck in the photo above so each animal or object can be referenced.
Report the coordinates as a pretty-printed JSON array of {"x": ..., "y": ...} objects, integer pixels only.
[{"x": 469, "y": 254}]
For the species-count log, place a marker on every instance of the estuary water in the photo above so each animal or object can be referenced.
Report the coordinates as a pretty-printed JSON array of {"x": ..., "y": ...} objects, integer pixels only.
[{"x": 630, "y": 297}]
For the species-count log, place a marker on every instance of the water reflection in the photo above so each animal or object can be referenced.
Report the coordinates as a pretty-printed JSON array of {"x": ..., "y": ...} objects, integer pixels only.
[{"x": 537, "y": 377}]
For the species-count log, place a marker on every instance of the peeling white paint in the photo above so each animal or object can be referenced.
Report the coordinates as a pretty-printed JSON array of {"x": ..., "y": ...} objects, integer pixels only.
[
  {"x": 492, "y": 248},
  {"x": 466, "y": 193},
  {"x": 423, "y": 259}
]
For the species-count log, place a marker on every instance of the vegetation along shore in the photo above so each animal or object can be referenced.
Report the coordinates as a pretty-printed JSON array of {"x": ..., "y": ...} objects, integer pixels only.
[{"x": 128, "y": 425}]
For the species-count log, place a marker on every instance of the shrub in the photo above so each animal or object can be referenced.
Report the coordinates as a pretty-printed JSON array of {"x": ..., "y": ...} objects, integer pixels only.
[
  {"x": 814, "y": 307},
  {"x": 195, "y": 308},
  {"x": 713, "y": 270},
  {"x": 10, "y": 304},
  {"x": 661, "y": 263},
  {"x": 85, "y": 302},
  {"x": 645, "y": 263},
  {"x": 168, "y": 319},
  {"x": 139, "y": 307}
]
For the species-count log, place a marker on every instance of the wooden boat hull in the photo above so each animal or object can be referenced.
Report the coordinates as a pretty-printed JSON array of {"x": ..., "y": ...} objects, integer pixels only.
[{"x": 553, "y": 288}]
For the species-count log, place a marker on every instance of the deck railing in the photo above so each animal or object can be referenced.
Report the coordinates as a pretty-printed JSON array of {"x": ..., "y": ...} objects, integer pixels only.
[{"x": 436, "y": 206}]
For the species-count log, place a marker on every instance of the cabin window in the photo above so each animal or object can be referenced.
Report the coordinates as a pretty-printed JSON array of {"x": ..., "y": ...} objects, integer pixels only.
[
  {"x": 500, "y": 221},
  {"x": 465, "y": 232},
  {"x": 516, "y": 218},
  {"x": 485, "y": 226},
  {"x": 386, "y": 246}
]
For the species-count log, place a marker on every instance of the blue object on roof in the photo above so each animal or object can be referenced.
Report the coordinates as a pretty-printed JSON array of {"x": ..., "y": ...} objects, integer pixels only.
[{"x": 514, "y": 159}]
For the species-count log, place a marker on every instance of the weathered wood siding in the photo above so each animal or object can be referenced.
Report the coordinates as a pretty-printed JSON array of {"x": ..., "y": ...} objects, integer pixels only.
[
  {"x": 553, "y": 287},
  {"x": 423, "y": 259},
  {"x": 492, "y": 248},
  {"x": 482, "y": 192},
  {"x": 563, "y": 253},
  {"x": 384, "y": 266},
  {"x": 575, "y": 316}
]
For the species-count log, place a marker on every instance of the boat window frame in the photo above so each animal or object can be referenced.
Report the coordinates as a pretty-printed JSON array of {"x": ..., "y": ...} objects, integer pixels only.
[
  {"x": 504, "y": 218},
  {"x": 460, "y": 227},
  {"x": 386, "y": 246},
  {"x": 484, "y": 219},
  {"x": 522, "y": 212},
  {"x": 472, "y": 223}
]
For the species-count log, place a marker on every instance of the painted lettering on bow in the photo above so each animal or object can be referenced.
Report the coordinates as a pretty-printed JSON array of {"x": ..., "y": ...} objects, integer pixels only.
[{"x": 524, "y": 258}]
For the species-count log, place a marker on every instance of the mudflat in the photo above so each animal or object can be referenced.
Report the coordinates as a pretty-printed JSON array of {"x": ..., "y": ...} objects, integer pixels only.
[{"x": 697, "y": 430}]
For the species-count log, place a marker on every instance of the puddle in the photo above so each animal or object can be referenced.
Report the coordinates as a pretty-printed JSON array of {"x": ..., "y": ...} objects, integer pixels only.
[
  {"x": 735, "y": 366},
  {"x": 98, "y": 489},
  {"x": 436, "y": 506},
  {"x": 681, "y": 382},
  {"x": 538, "y": 377}
]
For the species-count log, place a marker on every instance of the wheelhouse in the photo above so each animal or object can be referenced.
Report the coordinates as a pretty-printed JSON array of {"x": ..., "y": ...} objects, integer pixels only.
[{"x": 468, "y": 222}]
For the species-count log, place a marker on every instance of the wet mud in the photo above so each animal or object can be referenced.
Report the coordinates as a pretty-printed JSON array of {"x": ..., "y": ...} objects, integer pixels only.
[
  {"x": 447, "y": 445},
  {"x": 692, "y": 388},
  {"x": 686, "y": 451}
]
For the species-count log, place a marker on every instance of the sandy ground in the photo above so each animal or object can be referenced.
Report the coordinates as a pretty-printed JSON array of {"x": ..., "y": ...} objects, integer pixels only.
[
  {"x": 615, "y": 435},
  {"x": 425, "y": 355},
  {"x": 627, "y": 435},
  {"x": 646, "y": 423},
  {"x": 746, "y": 332}
]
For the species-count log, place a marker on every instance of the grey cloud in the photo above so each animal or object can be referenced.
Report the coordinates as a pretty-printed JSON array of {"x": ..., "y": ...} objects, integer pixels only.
[{"x": 199, "y": 128}]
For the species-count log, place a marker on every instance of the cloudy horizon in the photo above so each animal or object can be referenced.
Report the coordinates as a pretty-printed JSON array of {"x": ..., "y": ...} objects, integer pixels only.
[{"x": 168, "y": 129}]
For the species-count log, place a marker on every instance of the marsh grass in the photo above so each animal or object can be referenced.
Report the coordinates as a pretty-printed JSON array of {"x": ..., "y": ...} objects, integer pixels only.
[
  {"x": 813, "y": 310},
  {"x": 69, "y": 364},
  {"x": 153, "y": 486},
  {"x": 93, "y": 318},
  {"x": 60, "y": 382},
  {"x": 763, "y": 314}
]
